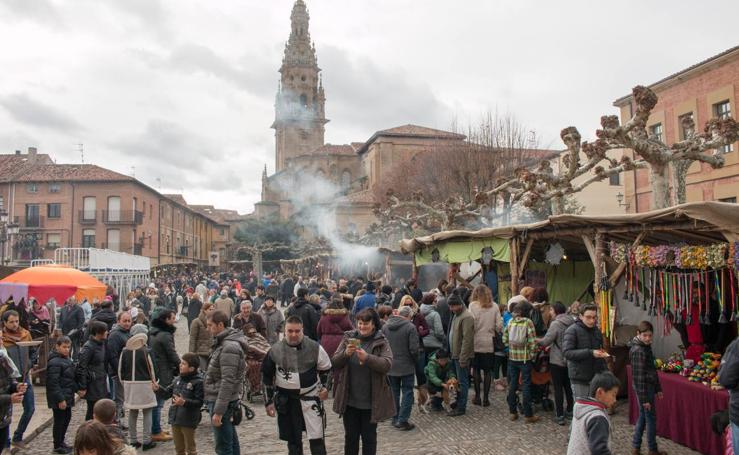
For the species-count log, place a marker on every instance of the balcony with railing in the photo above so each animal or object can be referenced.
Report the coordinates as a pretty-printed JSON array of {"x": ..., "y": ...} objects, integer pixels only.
[
  {"x": 88, "y": 217},
  {"x": 30, "y": 222},
  {"x": 123, "y": 217}
]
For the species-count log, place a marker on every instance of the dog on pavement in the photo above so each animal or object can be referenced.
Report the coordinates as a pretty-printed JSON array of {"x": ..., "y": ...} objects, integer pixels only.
[{"x": 447, "y": 395}]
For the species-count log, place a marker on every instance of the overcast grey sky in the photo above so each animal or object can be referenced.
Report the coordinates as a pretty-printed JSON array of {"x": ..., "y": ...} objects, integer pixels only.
[{"x": 184, "y": 89}]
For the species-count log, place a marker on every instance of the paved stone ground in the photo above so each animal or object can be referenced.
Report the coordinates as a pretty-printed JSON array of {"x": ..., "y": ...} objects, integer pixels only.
[{"x": 481, "y": 431}]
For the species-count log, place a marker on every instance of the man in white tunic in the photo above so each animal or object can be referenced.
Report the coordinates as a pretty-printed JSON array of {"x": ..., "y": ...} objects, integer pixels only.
[{"x": 294, "y": 373}]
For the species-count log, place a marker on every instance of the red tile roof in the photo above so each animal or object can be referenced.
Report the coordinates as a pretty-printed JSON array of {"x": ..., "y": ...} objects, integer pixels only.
[
  {"x": 624, "y": 99},
  {"x": 334, "y": 149},
  {"x": 178, "y": 198},
  {"x": 12, "y": 165},
  {"x": 411, "y": 131},
  {"x": 415, "y": 130},
  {"x": 70, "y": 172}
]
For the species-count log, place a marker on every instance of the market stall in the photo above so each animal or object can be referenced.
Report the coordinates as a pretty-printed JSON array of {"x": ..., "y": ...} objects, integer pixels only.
[
  {"x": 47, "y": 281},
  {"x": 675, "y": 267},
  {"x": 684, "y": 414}
]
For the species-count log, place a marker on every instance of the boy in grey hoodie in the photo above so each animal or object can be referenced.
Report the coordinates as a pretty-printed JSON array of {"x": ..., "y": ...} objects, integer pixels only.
[{"x": 591, "y": 428}]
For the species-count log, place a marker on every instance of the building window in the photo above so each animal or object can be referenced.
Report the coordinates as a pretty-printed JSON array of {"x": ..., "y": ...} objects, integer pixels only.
[
  {"x": 683, "y": 131},
  {"x": 655, "y": 132},
  {"x": 223, "y": 232},
  {"x": 346, "y": 180},
  {"x": 614, "y": 179},
  {"x": 33, "y": 216},
  {"x": 88, "y": 238},
  {"x": 32, "y": 188},
  {"x": 731, "y": 200},
  {"x": 53, "y": 241},
  {"x": 54, "y": 210},
  {"x": 54, "y": 187},
  {"x": 722, "y": 111},
  {"x": 88, "y": 208},
  {"x": 2, "y": 202}
]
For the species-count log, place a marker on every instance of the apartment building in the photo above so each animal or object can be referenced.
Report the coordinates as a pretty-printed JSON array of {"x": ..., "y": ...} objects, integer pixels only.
[
  {"x": 705, "y": 90},
  {"x": 87, "y": 206}
]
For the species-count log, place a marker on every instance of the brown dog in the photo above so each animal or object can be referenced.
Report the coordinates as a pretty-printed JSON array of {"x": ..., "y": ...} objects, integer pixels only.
[{"x": 447, "y": 395}]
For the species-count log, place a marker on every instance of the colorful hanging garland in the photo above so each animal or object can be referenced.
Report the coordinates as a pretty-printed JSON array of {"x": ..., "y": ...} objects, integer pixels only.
[{"x": 698, "y": 257}]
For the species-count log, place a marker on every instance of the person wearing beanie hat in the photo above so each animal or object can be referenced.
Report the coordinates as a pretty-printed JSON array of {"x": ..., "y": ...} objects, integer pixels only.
[
  {"x": 462, "y": 348},
  {"x": 403, "y": 339},
  {"x": 226, "y": 304},
  {"x": 136, "y": 373}
]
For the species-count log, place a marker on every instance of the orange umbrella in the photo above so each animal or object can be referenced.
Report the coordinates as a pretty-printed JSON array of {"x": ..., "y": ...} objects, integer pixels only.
[{"x": 58, "y": 281}]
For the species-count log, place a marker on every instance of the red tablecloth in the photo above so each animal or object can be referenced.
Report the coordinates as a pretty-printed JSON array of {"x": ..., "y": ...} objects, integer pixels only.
[{"x": 684, "y": 414}]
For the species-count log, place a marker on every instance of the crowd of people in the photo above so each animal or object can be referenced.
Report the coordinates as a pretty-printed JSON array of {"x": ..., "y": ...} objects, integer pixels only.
[{"x": 375, "y": 349}]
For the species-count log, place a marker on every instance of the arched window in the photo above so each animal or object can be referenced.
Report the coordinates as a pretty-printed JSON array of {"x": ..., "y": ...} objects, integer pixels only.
[
  {"x": 304, "y": 100},
  {"x": 346, "y": 179}
]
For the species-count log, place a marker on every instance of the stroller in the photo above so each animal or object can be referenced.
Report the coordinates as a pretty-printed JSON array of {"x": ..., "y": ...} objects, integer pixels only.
[{"x": 541, "y": 379}]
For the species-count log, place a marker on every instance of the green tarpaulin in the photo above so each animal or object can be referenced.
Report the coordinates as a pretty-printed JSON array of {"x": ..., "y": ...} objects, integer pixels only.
[{"x": 465, "y": 251}]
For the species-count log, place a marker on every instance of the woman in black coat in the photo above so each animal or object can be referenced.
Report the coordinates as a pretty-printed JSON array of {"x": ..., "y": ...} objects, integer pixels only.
[
  {"x": 166, "y": 362},
  {"x": 91, "y": 373}
]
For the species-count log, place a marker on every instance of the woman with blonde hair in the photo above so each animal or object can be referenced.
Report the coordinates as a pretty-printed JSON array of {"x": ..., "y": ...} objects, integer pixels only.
[
  {"x": 200, "y": 339},
  {"x": 488, "y": 326}
]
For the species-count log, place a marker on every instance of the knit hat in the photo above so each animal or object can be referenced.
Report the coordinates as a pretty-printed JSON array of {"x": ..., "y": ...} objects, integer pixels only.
[
  {"x": 454, "y": 299},
  {"x": 139, "y": 329},
  {"x": 137, "y": 341},
  {"x": 405, "y": 311}
]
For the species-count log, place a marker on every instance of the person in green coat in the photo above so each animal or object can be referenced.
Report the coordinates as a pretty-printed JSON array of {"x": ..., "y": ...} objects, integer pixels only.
[{"x": 438, "y": 371}]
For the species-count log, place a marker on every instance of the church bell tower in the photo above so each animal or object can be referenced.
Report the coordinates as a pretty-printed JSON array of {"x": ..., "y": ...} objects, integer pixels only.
[{"x": 299, "y": 105}]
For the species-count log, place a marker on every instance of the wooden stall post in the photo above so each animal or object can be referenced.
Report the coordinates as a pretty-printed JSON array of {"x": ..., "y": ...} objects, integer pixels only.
[{"x": 514, "y": 265}]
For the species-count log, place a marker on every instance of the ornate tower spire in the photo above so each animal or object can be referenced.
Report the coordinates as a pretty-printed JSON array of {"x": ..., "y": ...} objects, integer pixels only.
[{"x": 299, "y": 104}]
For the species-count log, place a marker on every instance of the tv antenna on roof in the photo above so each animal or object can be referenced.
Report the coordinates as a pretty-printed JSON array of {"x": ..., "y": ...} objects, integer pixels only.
[{"x": 81, "y": 149}]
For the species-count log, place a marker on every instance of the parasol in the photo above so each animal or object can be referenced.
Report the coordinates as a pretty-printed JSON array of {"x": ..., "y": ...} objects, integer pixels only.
[{"x": 47, "y": 281}]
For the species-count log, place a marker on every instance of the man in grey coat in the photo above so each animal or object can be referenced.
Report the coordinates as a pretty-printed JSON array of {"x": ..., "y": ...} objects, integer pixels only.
[
  {"x": 403, "y": 338},
  {"x": 224, "y": 380}
]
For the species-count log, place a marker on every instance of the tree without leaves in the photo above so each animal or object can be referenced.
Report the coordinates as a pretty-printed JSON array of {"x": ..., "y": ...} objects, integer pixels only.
[{"x": 441, "y": 188}]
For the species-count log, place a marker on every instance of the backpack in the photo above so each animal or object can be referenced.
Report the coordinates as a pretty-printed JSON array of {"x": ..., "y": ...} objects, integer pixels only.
[{"x": 518, "y": 333}]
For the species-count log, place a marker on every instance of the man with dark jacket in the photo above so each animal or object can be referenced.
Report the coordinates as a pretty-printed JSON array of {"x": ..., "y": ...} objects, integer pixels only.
[
  {"x": 106, "y": 314},
  {"x": 113, "y": 348},
  {"x": 462, "y": 348},
  {"x": 403, "y": 339},
  {"x": 307, "y": 313},
  {"x": 224, "y": 380},
  {"x": 166, "y": 364},
  {"x": 583, "y": 349},
  {"x": 71, "y": 320},
  {"x": 368, "y": 300},
  {"x": 247, "y": 316},
  {"x": 286, "y": 288},
  {"x": 193, "y": 309},
  {"x": 61, "y": 386},
  {"x": 91, "y": 373}
]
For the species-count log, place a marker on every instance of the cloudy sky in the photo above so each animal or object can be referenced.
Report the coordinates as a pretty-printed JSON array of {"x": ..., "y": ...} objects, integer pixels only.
[{"x": 183, "y": 90}]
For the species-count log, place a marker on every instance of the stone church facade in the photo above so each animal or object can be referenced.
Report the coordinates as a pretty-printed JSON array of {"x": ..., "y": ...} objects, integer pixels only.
[{"x": 353, "y": 169}]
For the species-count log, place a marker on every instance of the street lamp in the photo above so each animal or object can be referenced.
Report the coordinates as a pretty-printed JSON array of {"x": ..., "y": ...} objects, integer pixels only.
[
  {"x": 7, "y": 230},
  {"x": 620, "y": 198}
]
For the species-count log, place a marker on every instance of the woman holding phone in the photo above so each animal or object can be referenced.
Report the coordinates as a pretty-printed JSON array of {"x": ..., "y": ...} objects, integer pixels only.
[{"x": 363, "y": 395}]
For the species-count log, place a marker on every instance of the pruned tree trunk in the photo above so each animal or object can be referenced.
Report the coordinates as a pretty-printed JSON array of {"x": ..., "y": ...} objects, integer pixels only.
[
  {"x": 660, "y": 186},
  {"x": 558, "y": 205},
  {"x": 680, "y": 173}
]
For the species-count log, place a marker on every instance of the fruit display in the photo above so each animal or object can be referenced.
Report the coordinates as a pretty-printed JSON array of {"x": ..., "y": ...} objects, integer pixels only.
[{"x": 705, "y": 370}]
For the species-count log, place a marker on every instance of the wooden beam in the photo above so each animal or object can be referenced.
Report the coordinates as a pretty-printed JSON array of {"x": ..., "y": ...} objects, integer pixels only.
[
  {"x": 691, "y": 225},
  {"x": 591, "y": 250},
  {"x": 514, "y": 264},
  {"x": 621, "y": 267},
  {"x": 525, "y": 257}
]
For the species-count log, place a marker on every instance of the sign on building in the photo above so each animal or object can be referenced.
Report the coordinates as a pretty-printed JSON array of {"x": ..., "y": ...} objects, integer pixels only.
[{"x": 214, "y": 259}]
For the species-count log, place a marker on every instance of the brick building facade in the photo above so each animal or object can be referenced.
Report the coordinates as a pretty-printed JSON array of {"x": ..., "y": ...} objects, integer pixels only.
[
  {"x": 87, "y": 206},
  {"x": 705, "y": 90}
]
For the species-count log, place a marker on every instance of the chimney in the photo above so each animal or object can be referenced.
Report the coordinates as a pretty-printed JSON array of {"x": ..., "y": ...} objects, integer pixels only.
[
  {"x": 32, "y": 151},
  {"x": 17, "y": 152}
]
